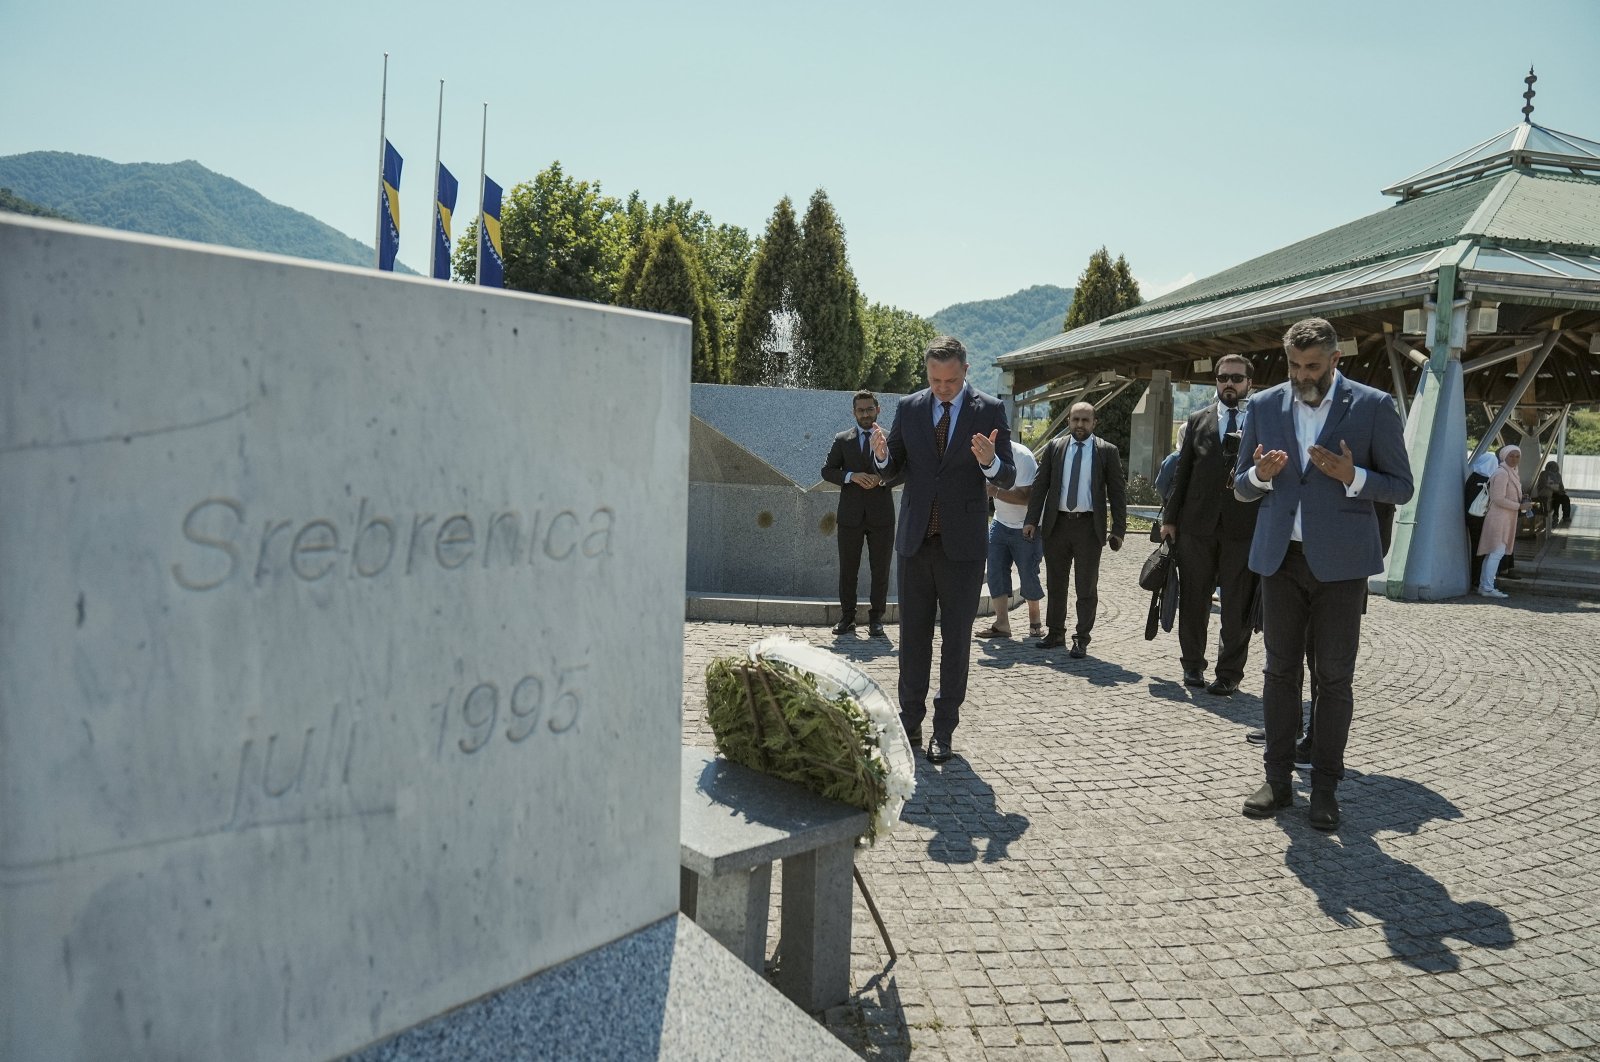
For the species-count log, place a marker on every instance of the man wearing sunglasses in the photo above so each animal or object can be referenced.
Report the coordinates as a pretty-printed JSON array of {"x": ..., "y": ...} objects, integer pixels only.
[{"x": 1210, "y": 531}]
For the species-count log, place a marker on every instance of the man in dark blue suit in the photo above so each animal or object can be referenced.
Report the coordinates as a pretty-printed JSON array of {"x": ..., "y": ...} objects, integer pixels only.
[
  {"x": 948, "y": 442},
  {"x": 1318, "y": 452}
]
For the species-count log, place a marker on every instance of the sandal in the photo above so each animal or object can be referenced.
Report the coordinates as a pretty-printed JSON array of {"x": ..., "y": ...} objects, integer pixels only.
[
  {"x": 1036, "y": 630},
  {"x": 992, "y": 632}
]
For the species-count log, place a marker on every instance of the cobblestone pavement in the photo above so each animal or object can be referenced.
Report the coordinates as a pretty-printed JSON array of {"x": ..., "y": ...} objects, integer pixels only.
[{"x": 1079, "y": 882}]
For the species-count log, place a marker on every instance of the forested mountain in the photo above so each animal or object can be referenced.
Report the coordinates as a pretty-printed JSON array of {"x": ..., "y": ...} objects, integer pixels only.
[
  {"x": 178, "y": 199},
  {"x": 14, "y": 203},
  {"x": 993, "y": 327}
]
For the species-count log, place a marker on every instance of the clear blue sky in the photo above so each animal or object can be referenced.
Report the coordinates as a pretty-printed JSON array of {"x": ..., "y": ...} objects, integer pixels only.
[{"x": 968, "y": 154}]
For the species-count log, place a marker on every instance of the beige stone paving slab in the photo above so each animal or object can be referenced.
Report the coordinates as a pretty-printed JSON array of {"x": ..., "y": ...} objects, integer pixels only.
[{"x": 1079, "y": 882}]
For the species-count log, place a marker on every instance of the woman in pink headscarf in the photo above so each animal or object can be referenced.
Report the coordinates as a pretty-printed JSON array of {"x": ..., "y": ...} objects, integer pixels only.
[{"x": 1500, "y": 522}]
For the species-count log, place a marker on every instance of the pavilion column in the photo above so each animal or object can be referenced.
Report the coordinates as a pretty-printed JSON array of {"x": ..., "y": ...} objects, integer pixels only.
[
  {"x": 1150, "y": 433},
  {"x": 1428, "y": 556}
]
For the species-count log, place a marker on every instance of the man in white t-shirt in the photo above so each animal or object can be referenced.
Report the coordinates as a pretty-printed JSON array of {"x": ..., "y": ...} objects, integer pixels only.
[{"x": 1007, "y": 545}]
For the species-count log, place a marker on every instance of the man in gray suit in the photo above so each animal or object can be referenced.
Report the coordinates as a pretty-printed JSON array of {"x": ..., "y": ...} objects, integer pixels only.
[
  {"x": 1318, "y": 451},
  {"x": 1080, "y": 478}
]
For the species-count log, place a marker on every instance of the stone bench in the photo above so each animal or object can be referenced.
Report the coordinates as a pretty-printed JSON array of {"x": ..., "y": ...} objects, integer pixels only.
[{"x": 735, "y": 823}]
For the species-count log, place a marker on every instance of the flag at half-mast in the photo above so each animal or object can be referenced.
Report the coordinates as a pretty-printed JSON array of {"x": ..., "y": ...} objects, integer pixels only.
[
  {"x": 491, "y": 262},
  {"x": 441, "y": 223},
  {"x": 389, "y": 238}
]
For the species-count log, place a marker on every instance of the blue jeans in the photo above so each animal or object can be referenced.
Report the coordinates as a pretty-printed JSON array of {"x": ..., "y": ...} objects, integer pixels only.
[{"x": 1007, "y": 546}]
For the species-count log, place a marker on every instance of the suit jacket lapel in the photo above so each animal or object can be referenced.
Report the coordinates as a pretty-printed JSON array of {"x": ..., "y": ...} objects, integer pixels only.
[
  {"x": 1341, "y": 408},
  {"x": 1294, "y": 438}
]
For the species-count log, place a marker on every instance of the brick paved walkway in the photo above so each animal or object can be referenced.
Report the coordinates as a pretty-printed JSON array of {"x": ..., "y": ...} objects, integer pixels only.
[{"x": 1079, "y": 882}]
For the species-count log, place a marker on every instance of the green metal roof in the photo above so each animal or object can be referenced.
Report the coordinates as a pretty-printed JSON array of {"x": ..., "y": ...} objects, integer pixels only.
[
  {"x": 1522, "y": 208},
  {"x": 1405, "y": 228},
  {"x": 1551, "y": 209},
  {"x": 1520, "y": 146}
]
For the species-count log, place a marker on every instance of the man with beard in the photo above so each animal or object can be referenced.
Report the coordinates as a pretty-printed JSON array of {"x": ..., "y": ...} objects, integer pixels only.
[
  {"x": 1318, "y": 451},
  {"x": 1080, "y": 477},
  {"x": 1210, "y": 531},
  {"x": 866, "y": 512}
]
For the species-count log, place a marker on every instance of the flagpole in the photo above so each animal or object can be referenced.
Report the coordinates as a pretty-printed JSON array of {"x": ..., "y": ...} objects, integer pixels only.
[
  {"x": 438, "y": 139},
  {"x": 383, "y": 115},
  {"x": 483, "y": 153}
]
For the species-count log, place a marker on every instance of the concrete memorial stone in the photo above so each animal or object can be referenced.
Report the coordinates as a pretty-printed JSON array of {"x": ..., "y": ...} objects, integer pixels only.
[{"x": 340, "y": 644}]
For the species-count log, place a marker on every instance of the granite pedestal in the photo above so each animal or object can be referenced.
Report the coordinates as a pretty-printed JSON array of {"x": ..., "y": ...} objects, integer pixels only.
[{"x": 735, "y": 823}]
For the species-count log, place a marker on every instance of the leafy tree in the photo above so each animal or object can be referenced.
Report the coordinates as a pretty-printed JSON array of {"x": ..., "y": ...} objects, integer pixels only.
[
  {"x": 1103, "y": 289},
  {"x": 560, "y": 237},
  {"x": 831, "y": 344},
  {"x": 664, "y": 274},
  {"x": 766, "y": 311},
  {"x": 895, "y": 342}
]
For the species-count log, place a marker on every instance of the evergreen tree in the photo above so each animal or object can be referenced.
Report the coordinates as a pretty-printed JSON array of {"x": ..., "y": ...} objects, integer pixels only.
[
  {"x": 766, "y": 310},
  {"x": 1105, "y": 288},
  {"x": 671, "y": 280},
  {"x": 831, "y": 345},
  {"x": 724, "y": 251}
]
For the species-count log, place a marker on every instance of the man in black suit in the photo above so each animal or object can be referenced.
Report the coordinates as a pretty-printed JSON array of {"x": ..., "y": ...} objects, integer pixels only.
[
  {"x": 1210, "y": 531},
  {"x": 866, "y": 511},
  {"x": 1080, "y": 477},
  {"x": 948, "y": 442}
]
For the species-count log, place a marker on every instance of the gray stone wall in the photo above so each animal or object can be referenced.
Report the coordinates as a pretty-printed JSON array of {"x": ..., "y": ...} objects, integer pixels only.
[{"x": 334, "y": 682}]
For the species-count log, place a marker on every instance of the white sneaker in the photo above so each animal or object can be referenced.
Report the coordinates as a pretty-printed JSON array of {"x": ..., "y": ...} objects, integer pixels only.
[{"x": 1489, "y": 591}]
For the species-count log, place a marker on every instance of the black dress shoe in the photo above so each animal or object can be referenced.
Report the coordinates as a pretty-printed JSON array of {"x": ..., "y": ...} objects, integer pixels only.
[
  {"x": 939, "y": 749},
  {"x": 1324, "y": 809},
  {"x": 1223, "y": 687},
  {"x": 914, "y": 737},
  {"x": 1265, "y": 802},
  {"x": 1053, "y": 641},
  {"x": 1193, "y": 678},
  {"x": 845, "y": 626},
  {"x": 1077, "y": 650},
  {"x": 875, "y": 629}
]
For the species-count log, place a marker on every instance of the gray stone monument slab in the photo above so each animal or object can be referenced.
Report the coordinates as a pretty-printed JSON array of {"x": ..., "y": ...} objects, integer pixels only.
[
  {"x": 313, "y": 723},
  {"x": 668, "y": 992}
]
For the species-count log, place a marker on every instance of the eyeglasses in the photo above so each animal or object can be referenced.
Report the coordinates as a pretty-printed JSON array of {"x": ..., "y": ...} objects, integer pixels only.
[{"x": 1231, "y": 377}]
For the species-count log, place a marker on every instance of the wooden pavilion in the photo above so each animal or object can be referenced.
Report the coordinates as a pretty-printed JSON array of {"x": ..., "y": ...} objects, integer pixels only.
[{"x": 1481, "y": 285}]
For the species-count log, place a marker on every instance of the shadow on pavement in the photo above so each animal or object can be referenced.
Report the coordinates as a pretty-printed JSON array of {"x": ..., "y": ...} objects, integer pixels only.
[
  {"x": 1353, "y": 876},
  {"x": 873, "y": 1022},
  {"x": 856, "y": 647},
  {"x": 959, "y": 807}
]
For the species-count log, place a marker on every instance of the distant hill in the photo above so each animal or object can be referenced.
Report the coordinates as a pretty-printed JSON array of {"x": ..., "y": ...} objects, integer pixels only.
[
  {"x": 178, "y": 199},
  {"x": 993, "y": 327},
  {"x": 14, "y": 203}
]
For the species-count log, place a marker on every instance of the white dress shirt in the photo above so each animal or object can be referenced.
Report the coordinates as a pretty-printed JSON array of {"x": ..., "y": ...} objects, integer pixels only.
[
  {"x": 1308, "y": 424},
  {"x": 1084, "y": 502}
]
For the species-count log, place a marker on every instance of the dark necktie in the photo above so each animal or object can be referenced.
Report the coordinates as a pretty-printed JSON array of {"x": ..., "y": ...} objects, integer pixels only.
[
  {"x": 941, "y": 435},
  {"x": 1233, "y": 421},
  {"x": 1077, "y": 474},
  {"x": 863, "y": 436}
]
